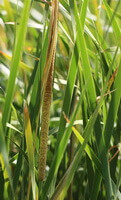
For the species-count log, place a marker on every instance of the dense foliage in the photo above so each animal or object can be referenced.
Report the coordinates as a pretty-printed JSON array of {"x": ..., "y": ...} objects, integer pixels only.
[{"x": 84, "y": 121}]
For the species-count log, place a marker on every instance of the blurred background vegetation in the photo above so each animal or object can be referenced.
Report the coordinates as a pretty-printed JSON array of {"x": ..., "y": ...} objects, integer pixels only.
[{"x": 85, "y": 116}]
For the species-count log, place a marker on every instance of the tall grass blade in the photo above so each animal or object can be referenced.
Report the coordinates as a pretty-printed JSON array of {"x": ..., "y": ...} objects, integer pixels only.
[
  {"x": 18, "y": 49},
  {"x": 30, "y": 150}
]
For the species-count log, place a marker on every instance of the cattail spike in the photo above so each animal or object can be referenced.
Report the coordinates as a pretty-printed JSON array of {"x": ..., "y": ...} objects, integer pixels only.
[
  {"x": 47, "y": 90},
  {"x": 45, "y": 124}
]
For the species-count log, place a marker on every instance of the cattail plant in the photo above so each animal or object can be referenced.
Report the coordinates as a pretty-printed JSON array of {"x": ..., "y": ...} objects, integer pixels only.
[{"x": 47, "y": 89}]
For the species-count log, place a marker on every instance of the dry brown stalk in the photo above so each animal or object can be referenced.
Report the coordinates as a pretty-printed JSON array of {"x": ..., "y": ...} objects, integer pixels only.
[{"x": 47, "y": 89}]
